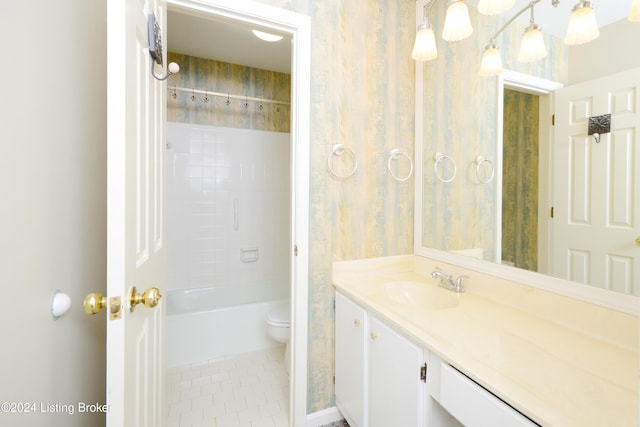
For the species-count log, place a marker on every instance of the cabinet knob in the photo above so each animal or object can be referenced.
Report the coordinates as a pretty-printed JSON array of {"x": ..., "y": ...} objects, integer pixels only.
[
  {"x": 638, "y": 240},
  {"x": 374, "y": 335},
  {"x": 356, "y": 322}
]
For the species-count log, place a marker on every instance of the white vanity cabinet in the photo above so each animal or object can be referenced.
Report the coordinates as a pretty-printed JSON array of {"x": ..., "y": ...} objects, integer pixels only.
[
  {"x": 350, "y": 361},
  {"x": 378, "y": 371}
]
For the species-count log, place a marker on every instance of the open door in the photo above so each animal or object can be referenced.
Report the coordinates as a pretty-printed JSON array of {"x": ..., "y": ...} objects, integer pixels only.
[
  {"x": 135, "y": 235},
  {"x": 597, "y": 196}
]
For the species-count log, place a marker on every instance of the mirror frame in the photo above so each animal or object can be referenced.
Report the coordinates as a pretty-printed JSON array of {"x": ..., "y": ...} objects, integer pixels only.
[{"x": 603, "y": 297}]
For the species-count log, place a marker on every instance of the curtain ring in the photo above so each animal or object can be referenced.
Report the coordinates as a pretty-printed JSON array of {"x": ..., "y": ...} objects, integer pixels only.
[
  {"x": 394, "y": 154},
  {"x": 339, "y": 150},
  {"x": 439, "y": 157}
]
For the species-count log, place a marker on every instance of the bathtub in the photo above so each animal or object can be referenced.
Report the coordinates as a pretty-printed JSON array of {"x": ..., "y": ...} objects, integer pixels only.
[{"x": 209, "y": 323}]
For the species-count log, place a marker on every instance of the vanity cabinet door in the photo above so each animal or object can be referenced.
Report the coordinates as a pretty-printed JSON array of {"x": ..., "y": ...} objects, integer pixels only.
[
  {"x": 350, "y": 361},
  {"x": 396, "y": 391}
]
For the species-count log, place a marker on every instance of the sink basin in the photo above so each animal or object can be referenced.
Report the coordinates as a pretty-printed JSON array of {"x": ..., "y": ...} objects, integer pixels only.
[{"x": 420, "y": 294}]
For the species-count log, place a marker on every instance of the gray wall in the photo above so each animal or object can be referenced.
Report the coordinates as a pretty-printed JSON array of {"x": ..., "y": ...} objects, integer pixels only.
[{"x": 52, "y": 206}]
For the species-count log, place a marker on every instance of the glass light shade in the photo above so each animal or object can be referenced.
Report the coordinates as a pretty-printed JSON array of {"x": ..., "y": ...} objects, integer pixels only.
[
  {"x": 457, "y": 24},
  {"x": 424, "y": 49},
  {"x": 268, "y": 37},
  {"x": 491, "y": 64},
  {"x": 494, "y": 7},
  {"x": 532, "y": 45},
  {"x": 634, "y": 13},
  {"x": 582, "y": 25}
]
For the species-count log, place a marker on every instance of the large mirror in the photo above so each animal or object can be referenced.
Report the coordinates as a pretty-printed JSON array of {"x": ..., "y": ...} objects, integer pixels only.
[{"x": 491, "y": 170}]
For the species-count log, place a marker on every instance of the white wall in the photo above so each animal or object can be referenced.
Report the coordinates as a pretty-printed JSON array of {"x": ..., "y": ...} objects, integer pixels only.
[
  {"x": 52, "y": 205},
  {"x": 615, "y": 50},
  {"x": 208, "y": 168}
]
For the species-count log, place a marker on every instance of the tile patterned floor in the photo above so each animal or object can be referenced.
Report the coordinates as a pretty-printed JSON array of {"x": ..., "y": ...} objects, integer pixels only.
[{"x": 246, "y": 390}]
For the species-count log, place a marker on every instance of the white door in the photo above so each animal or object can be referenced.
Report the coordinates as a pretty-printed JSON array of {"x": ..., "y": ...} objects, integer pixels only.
[
  {"x": 597, "y": 191},
  {"x": 135, "y": 253}
]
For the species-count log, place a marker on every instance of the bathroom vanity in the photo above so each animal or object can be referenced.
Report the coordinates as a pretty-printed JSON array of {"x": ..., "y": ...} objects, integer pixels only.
[{"x": 411, "y": 353}]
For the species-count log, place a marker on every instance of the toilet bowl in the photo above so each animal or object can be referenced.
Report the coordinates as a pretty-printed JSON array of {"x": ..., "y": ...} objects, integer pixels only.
[{"x": 279, "y": 327}]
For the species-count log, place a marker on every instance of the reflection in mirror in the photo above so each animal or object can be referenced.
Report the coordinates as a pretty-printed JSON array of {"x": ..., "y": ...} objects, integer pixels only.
[{"x": 508, "y": 220}]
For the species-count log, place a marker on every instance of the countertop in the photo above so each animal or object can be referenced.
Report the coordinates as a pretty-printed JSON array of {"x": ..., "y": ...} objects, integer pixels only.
[{"x": 559, "y": 361}]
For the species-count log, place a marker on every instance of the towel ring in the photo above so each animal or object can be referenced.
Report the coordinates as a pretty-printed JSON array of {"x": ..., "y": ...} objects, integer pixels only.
[
  {"x": 479, "y": 162},
  {"x": 439, "y": 157},
  {"x": 394, "y": 154},
  {"x": 339, "y": 150}
]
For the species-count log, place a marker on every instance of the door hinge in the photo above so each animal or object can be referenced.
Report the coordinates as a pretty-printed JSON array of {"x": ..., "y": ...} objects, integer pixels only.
[
  {"x": 334, "y": 380},
  {"x": 553, "y": 120},
  {"x": 551, "y": 213},
  {"x": 295, "y": 250},
  {"x": 423, "y": 373}
]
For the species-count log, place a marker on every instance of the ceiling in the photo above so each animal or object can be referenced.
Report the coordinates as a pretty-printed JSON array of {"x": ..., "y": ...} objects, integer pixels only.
[
  {"x": 226, "y": 41},
  {"x": 235, "y": 43}
]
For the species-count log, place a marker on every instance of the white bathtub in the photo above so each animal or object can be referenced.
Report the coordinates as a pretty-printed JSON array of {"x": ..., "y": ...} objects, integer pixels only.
[{"x": 204, "y": 324}]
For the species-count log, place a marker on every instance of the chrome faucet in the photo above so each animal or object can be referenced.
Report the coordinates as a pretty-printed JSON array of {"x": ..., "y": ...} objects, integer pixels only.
[{"x": 448, "y": 281}]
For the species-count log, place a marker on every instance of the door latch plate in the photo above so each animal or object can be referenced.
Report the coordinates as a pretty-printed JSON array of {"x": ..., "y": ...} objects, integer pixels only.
[{"x": 115, "y": 308}]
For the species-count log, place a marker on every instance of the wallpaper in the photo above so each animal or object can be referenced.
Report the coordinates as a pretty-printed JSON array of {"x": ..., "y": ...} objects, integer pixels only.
[
  {"x": 520, "y": 180},
  {"x": 221, "y": 77}
]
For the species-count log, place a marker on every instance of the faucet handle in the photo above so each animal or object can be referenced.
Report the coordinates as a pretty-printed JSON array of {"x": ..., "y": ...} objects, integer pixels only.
[{"x": 458, "y": 283}]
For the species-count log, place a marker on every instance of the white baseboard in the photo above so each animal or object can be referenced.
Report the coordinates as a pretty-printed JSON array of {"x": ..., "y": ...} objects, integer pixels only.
[{"x": 325, "y": 416}]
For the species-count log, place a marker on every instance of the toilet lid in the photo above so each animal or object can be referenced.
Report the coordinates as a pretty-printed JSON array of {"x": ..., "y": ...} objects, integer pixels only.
[{"x": 279, "y": 314}]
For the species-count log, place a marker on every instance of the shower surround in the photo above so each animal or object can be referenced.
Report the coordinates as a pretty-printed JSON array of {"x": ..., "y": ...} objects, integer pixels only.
[{"x": 228, "y": 227}]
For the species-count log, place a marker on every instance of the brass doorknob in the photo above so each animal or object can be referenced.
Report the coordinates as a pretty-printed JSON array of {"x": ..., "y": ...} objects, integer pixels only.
[
  {"x": 149, "y": 298},
  {"x": 94, "y": 302},
  {"x": 638, "y": 240}
]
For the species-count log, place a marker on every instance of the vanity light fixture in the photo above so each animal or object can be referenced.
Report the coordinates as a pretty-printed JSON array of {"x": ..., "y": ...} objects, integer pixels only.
[
  {"x": 634, "y": 13},
  {"x": 582, "y": 25},
  {"x": 457, "y": 24},
  {"x": 268, "y": 37},
  {"x": 494, "y": 7}
]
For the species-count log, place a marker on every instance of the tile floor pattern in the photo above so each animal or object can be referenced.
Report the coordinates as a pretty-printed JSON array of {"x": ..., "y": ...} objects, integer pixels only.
[{"x": 246, "y": 390}]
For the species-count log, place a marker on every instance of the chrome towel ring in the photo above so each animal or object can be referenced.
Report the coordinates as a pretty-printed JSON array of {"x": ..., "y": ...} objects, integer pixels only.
[
  {"x": 439, "y": 157},
  {"x": 394, "y": 154},
  {"x": 481, "y": 161},
  {"x": 339, "y": 150}
]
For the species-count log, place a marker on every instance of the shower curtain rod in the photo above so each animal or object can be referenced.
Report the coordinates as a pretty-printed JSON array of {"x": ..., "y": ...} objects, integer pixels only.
[{"x": 225, "y": 95}]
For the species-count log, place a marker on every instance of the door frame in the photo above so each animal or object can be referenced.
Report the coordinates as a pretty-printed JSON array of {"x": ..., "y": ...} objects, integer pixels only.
[
  {"x": 544, "y": 88},
  {"x": 299, "y": 28}
]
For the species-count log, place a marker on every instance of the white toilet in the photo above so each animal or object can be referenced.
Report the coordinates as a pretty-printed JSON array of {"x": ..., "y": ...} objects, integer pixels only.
[{"x": 279, "y": 327}]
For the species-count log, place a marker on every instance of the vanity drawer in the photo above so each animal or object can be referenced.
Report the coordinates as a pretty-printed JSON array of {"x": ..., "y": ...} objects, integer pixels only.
[{"x": 474, "y": 406}]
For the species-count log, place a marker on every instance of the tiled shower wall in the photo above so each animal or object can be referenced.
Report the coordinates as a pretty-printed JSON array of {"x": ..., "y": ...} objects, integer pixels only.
[{"x": 228, "y": 208}]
